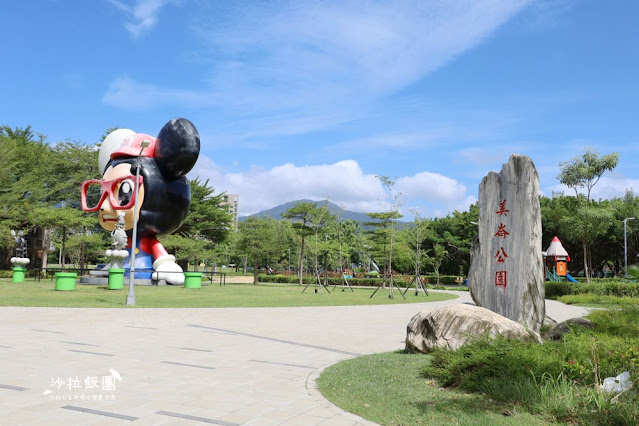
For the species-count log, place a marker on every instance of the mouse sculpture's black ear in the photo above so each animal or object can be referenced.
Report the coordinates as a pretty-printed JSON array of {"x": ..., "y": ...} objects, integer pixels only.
[{"x": 177, "y": 148}]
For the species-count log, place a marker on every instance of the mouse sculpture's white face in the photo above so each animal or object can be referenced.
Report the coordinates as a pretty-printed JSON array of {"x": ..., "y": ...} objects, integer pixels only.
[{"x": 114, "y": 194}]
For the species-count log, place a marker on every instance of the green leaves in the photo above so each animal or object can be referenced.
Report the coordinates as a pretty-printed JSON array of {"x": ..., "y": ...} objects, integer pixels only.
[
  {"x": 207, "y": 218},
  {"x": 586, "y": 170},
  {"x": 260, "y": 239}
]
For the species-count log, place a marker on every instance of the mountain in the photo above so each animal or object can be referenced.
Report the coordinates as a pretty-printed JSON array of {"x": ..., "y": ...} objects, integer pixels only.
[{"x": 276, "y": 212}]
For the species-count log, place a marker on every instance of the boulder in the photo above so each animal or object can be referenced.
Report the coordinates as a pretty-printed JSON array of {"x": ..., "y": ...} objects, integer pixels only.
[
  {"x": 558, "y": 331},
  {"x": 549, "y": 322},
  {"x": 452, "y": 326},
  {"x": 507, "y": 272}
]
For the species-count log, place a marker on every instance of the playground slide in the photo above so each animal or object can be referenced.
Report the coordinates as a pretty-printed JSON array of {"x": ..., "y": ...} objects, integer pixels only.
[{"x": 571, "y": 279}]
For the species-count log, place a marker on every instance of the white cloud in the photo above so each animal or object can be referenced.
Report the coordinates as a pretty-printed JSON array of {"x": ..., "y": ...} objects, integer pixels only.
[
  {"x": 346, "y": 48},
  {"x": 436, "y": 188},
  {"x": 343, "y": 183},
  {"x": 141, "y": 17},
  {"x": 316, "y": 59}
]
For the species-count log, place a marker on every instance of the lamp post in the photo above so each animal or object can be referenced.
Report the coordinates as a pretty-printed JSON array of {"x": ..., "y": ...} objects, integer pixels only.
[
  {"x": 625, "y": 245},
  {"x": 289, "y": 260},
  {"x": 130, "y": 297}
]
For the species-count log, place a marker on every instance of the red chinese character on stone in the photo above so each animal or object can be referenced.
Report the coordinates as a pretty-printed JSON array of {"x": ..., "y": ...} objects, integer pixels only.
[
  {"x": 500, "y": 279},
  {"x": 501, "y": 255},
  {"x": 501, "y": 232},
  {"x": 502, "y": 208}
]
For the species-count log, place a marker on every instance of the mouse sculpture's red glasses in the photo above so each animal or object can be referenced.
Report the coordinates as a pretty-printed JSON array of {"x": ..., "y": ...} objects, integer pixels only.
[{"x": 121, "y": 192}]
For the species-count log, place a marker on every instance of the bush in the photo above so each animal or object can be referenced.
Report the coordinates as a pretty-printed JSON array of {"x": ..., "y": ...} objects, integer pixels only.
[
  {"x": 443, "y": 279},
  {"x": 288, "y": 279},
  {"x": 603, "y": 287},
  {"x": 400, "y": 280},
  {"x": 560, "y": 288},
  {"x": 9, "y": 274},
  {"x": 595, "y": 299},
  {"x": 558, "y": 378}
]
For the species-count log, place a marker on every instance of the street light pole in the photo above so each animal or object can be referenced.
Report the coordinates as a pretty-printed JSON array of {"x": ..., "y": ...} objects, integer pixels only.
[
  {"x": 625, "y": 246},
  {"x": 130, "y": 297}
]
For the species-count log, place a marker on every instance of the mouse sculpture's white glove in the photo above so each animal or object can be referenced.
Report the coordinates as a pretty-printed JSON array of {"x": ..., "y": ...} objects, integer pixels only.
[{"x": 166, "y": 269}]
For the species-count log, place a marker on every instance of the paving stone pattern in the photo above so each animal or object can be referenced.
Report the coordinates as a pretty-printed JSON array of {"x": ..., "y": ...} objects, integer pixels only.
[{"x": 235, "y": 366}]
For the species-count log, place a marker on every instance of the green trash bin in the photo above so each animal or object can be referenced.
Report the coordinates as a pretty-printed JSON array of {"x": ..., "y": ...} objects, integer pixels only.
[
  {"x": 65, "y": 280},
  {"x": 116, "y": 278},
  {"x": 192, "y": 280},
  {"x": 18, "y": 274}
]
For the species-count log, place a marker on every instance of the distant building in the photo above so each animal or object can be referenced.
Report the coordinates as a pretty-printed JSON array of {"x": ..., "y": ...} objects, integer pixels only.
[{"x": 231, "y": 201}]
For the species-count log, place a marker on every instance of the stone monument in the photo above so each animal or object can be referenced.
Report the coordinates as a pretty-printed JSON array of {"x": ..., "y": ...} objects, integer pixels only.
[{"x": 506, "y": 272}]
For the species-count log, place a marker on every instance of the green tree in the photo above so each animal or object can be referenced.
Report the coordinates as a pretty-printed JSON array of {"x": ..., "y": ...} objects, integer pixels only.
[
  {"x": 21, "y": 176},
  {"x": 584, "y": 172},
  {"x": 346, "y": 240},
  {"x": 380, "y": 234},
  {"x": 319, "y": 219},
  {"x": 192, "y": 250},
  {"x": 301, "y": 215},
  {"x": 579, "y": 227},
  {"x": 413, "y": 237},
  {"x": 385, "y": 224},
  {"x": 436, "y": 257},
  {"x": 258, "y": 239},
  {"x": 65, "y": 221},
  {"x": 455, "y": 232},
  {"x": 207, "y": 218},
  {"x": 68, "y": 165},
  {"x": 38, "y": 177}
]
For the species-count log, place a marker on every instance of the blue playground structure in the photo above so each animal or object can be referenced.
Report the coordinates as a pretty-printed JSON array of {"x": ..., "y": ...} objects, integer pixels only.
[
  {"x": 552, "y": 276},
  {"x": 556, "y": 258}
]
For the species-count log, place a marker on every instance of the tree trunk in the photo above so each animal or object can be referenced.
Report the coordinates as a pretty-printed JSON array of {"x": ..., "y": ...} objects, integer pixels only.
[
  {"x": 255, "y": 273},
  {"x": 586, "y": 269},
  {"x": 45, "y": 248},
  {"x": 64, "y": 239},
  {"x": 302, "y": 262},
  {"x": 82, "y": 256}
]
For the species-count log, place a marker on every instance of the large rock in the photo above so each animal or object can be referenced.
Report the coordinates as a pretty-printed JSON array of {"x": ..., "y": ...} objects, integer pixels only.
[
  {"x": 452, "y": 326},
  {"x": 559, "y": 330},
  {"x": 507, "y": 273}
]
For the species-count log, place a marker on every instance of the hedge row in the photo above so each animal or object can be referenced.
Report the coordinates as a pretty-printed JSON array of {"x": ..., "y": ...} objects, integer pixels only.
[
  {"x": 400, "y": 280},
  {"x": 600, "y": 288},
  {"x": 9, "y": 274}
]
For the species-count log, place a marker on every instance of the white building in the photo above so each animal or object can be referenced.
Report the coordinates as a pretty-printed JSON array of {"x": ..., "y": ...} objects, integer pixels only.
[{"x": 231, "y": 201}]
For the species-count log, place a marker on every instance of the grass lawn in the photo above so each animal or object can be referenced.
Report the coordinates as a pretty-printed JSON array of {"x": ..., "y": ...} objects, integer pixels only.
[
  {"x": 42, "y": 293},
  {"x": 388, "y": 389},
  {"x": 499, "y": 381}
]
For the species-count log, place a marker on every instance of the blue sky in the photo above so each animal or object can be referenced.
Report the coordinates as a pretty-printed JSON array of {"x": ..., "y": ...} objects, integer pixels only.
[{"x": 312, "y": 99}]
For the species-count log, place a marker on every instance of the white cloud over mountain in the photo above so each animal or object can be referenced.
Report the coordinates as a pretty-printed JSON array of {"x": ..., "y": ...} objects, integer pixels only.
[{"x": 343, "y": 183}]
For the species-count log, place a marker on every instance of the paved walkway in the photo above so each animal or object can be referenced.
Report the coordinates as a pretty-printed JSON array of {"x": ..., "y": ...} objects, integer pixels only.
[{"x": 254, "y": 366}]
